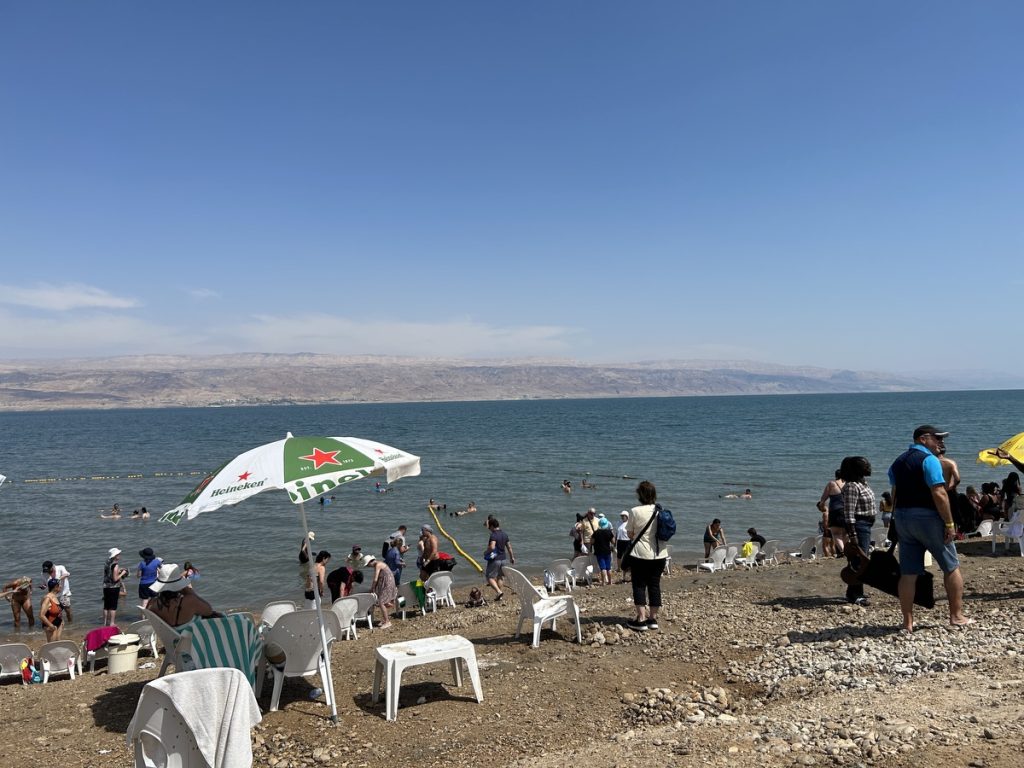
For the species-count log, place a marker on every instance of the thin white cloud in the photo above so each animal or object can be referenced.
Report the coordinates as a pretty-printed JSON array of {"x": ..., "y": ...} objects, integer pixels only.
[
  {"x": 62, "y": 298},
  {"x": 455, "y": 337},
  {"x": 202, "y": 294},
  {"x": 96, "y": 335}
]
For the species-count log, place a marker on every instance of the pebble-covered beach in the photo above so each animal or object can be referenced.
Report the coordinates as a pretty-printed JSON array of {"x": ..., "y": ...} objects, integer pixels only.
[{"x": 769, "y": 666}]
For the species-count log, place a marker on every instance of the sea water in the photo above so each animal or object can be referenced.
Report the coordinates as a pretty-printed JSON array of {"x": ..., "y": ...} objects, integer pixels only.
[{"x": 66, "y": 468}]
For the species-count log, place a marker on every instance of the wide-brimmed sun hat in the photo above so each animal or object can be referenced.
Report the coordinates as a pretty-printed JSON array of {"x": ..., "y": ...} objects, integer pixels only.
[
  {"x": 169, "y": 578},
  {"x": 113, "y": 552}
]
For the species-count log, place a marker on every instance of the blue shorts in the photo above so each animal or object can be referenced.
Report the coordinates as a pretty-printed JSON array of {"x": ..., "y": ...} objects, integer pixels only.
[
  {"x": 920, "y": 529},
  {"x": 604, "y": 562}
]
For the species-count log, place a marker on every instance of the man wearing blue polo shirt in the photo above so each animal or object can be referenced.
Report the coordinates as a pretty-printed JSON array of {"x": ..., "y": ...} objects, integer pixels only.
[{"x": 924, "y": 523}]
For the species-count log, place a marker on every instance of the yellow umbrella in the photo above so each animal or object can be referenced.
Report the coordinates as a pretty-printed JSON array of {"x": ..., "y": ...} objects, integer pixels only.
[{"x": 1014, "y": 446}]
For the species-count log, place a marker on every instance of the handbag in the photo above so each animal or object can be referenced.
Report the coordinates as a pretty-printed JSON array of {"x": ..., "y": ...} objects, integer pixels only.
[
  {"x": 881, "y": 570},
  {"x": 627, "y": 557}
]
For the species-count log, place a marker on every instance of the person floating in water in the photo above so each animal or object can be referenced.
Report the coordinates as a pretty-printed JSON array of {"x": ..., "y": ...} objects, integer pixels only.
[
  {"x": 469, "y": 510},
  {"x": 566, "y": 486},
  {"x": 115, "y": 513},
  {"x": 587, "y": 484}
]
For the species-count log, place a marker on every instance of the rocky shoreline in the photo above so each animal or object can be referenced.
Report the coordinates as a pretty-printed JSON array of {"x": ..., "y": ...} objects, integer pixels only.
[{"x": 767, "y": 665}]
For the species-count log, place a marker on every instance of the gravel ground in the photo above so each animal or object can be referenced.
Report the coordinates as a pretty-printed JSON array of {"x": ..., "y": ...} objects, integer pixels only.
[{"x": 767, "y": 666}]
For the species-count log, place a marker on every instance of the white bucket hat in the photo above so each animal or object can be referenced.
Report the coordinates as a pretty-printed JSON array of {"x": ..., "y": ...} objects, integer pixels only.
[{"x": 169, "y": 578}]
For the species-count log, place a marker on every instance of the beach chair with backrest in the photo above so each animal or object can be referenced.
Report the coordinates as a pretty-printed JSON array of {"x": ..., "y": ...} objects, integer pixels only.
[
  {"x": 984, "y": 529},
  {"x": 751, "y": 560},
  {"x": 175, "y": 646},
  {"x": 768, "y": 553},
  {"x": 409, "y": 601},
  {"x": 716, "y": 562},
  {"x": 11, "y": 655},
  {"x": 169, "y": 730},
  {"x": 805, "y": 550},
  {"x": 345, "y": 608},
  {"x": 60, "y": 657},
  {"x": 560, "y": 573},
  {"x": 730, "y": 555},
  {"x": 274, "y": 610},
  {"x": 583, "y": 570},
  {"x": 365, "y": 602},
  {"x": 147, "y": 635},
  {"x": 296, "y": 637},
  {"x": 439, "y": 590},
  {"x": 1011, "y": 531},
  {"x": 538, "y": 607}
]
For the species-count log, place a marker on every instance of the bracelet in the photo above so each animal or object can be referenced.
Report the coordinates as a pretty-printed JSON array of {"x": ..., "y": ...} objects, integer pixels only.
[{"x": 951, "y": 525}]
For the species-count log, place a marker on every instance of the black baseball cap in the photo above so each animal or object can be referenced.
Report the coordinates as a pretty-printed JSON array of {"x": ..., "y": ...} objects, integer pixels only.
[{"x": 928, "y": 429}]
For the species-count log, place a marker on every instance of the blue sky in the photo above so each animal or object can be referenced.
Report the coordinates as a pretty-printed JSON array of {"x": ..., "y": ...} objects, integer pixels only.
[{"x": 834, "y": 184}]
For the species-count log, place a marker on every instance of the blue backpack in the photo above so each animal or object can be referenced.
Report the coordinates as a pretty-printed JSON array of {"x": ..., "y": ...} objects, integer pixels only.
[{"x": 666, "y": 523}]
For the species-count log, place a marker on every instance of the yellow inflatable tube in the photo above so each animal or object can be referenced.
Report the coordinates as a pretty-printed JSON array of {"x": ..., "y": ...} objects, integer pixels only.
[{"x": 460, "y": 550}]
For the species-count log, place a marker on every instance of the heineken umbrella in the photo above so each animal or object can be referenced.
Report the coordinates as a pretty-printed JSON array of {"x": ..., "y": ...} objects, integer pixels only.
[
  {"x": 304, "y": 467},
  {"x": 1013, "y": 447}
]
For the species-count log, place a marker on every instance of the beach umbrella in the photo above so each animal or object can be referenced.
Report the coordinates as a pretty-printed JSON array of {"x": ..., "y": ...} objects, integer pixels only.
[
  {"x": 1014, "y": 446},
  {"x": 304, "y": 467}
]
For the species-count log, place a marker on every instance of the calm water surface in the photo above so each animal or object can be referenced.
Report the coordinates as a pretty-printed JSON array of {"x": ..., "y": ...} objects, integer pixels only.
[{"x": 509, "y": 457}]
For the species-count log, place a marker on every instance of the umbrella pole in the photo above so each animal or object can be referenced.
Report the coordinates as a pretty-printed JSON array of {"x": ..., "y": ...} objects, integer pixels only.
[{"x": 329, "y": 681}]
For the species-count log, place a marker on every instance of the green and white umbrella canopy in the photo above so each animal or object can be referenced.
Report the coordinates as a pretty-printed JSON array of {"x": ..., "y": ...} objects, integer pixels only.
[{"x": 305, "y": 467}]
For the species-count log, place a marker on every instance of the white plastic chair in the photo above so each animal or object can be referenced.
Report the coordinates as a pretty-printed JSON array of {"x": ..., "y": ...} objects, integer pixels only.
[
  {"x": 750, "y": 560},
  {"x": 407, "y": 600},
  {"x": 147, "y": 635},
  {"x": 583, "y": 570},
  {"x": 560, "y": 573},
  {"x": 667, "y": 549},
  {"x": 366, "y": 601},
  {"x": 805, "y": 550},
  {"x": 769, "y": 552},
  {"x": 11, "y": 655},
  {"x": 160, "y": 733},
  {"x": 536, "y": 606},
  {"x": 716, "y": 562},
  {"x": 730, "y": 555},
  {"x": 1011, "y": 531},
  {"x": 439, "y": 590},
  {"x": 345, "y": 608},
  {"x": 984, "y": 529},
  {"x": 175, "y": 646},
  {"x": 60, "y": 657},
  {"x": 274, "y": 610},
  {"x": 297, "y": 636}
]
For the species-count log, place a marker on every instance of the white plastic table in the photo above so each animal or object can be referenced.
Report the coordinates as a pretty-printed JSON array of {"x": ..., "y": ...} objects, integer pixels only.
[{"x": 395, "y": 658}]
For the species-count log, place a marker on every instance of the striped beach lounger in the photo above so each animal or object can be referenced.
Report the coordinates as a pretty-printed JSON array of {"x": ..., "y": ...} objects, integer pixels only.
[{"x": 230, "y": 641}]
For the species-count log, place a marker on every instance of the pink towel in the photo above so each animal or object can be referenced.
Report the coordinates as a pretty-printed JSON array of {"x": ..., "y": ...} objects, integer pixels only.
[{"x": 97, "y": 638}]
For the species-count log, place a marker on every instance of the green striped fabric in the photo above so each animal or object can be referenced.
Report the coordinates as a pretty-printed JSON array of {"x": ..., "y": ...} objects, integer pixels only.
[{"x": 230, "y": 641}]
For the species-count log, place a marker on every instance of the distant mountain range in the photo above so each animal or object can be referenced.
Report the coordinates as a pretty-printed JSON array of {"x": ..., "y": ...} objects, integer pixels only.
[{"x": 159, "y": 381}]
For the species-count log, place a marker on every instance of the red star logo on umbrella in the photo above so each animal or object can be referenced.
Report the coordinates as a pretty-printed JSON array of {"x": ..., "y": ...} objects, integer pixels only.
[
  {"x": 319, "y": 458},
  {"x": 244, "y": 475}
]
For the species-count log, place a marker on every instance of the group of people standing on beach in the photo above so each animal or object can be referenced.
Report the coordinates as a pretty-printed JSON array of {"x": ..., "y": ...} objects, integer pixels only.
[{"x": 923, "y": 482}]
